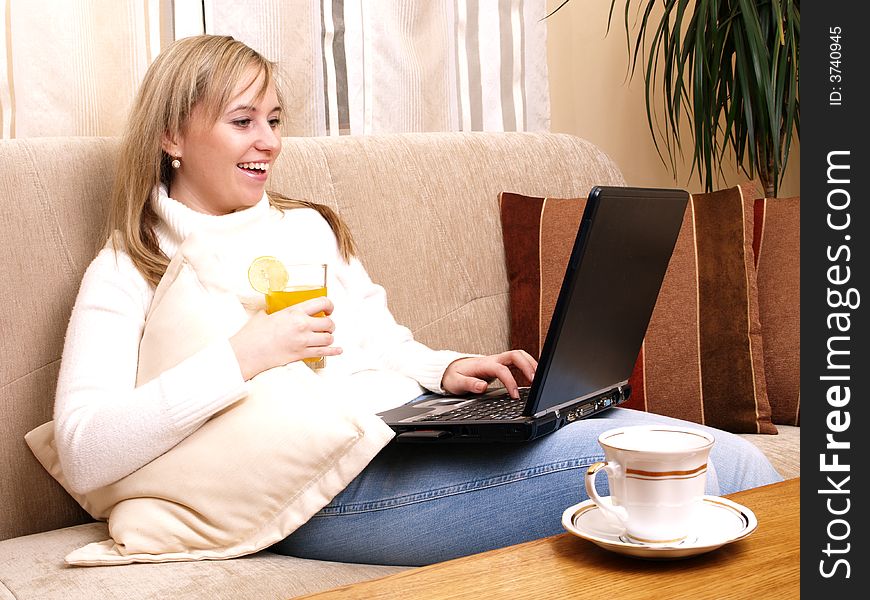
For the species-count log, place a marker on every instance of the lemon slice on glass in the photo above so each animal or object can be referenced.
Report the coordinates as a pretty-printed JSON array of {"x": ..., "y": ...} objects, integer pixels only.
[{"x": 266, "y": 274}]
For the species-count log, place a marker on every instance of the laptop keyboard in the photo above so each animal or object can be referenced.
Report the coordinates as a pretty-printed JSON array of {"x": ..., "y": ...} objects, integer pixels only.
[{"x": 486, "y": 409}]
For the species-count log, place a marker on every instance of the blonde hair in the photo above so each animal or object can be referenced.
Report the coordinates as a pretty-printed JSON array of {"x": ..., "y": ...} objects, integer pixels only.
[{"x": 201, "y": 70}]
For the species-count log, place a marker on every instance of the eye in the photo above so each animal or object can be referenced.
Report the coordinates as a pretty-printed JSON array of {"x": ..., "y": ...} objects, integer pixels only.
[
  {"x": 274, "y": 122},
  {"x": 242, "y": 122}
]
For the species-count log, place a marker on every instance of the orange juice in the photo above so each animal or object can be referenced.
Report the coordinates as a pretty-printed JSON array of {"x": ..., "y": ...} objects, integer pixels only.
[{"x": 278, "y": 299}]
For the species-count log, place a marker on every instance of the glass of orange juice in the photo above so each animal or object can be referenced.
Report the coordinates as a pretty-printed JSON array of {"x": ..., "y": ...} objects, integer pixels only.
[{"x": 304, "y": 282}]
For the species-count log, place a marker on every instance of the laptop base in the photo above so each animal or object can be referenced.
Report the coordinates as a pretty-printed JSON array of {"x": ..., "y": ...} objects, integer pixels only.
[{"x": 521, "y": 429}]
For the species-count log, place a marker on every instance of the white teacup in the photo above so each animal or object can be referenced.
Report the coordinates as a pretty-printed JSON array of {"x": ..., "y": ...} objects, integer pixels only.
[{"x": 657, "y": 475}]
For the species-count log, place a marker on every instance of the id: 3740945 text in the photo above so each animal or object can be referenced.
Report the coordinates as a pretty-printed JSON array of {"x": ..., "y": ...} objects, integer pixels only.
[{"x": 835, "y": 66}]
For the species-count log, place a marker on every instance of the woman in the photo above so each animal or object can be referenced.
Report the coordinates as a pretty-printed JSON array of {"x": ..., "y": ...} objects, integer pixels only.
[{"x": 202, "y": 135}]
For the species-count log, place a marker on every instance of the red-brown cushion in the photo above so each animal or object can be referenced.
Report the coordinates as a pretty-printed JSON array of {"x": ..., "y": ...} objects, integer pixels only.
[
  {"x": 538, "y": 236},
  {"x": 702, "y": 358},
  {"x": 777, "y": 245}
]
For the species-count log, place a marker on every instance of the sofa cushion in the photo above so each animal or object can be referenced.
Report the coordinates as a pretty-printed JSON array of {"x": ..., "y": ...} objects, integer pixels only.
[
  {"x": 206, "y": 498},
  {"x": 782, "y": 450},
  {"x": 777, "y": 245},
  {"x": 701, "y": 359},
  {"x": 31, "y": 568},
  {"x": 52, "y": 207}
]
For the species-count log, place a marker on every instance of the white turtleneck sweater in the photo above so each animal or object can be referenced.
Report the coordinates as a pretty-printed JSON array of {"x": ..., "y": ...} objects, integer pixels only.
[{"x": 106, "y": 427}]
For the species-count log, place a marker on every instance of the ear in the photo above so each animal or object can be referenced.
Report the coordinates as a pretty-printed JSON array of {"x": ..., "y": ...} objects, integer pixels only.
[{"x": 170, "y": 144}]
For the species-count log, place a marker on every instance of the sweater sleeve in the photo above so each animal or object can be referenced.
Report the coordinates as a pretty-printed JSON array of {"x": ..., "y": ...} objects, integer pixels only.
[
  {"x": 105, "y": 426},
  {"x": 384, "y": 339}
]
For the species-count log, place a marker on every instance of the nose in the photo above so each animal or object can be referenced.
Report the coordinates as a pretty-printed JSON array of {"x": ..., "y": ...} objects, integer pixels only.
[{"x": 269, "y": 139}]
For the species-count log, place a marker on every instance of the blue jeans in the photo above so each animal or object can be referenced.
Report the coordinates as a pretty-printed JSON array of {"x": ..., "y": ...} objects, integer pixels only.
[{"x": 417, "y": 504}]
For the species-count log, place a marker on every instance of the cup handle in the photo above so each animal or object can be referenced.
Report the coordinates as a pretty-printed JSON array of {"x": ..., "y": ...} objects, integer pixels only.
[{"x": 615, "y": 514}]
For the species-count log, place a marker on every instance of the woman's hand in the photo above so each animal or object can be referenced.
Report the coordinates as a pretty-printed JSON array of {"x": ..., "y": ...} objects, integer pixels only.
[
  {"x": 473, "y": 374},
  {"x": 285, "y": 336}
]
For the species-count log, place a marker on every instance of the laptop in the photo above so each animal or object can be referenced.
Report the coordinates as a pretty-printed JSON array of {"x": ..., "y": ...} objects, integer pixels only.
[{"x": 612, "y": 280}]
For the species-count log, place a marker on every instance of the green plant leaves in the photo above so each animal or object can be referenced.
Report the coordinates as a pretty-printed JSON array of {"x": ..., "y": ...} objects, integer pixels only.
[{"x": 732, "y": 67}]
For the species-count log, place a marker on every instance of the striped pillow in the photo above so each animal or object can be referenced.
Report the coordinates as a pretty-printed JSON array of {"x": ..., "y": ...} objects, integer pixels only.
[
  {"x": 777, "y": 245},
  {"x": 702, "y": 358},
  {"x": 538, "y": 238}
]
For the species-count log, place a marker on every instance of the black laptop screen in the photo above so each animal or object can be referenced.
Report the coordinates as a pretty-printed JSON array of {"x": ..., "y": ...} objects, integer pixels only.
[{"x": 612, "y": 281}]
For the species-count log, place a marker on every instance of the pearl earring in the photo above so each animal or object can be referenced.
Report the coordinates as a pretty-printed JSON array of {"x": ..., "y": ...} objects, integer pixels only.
[{"x": 176, "y": 163}]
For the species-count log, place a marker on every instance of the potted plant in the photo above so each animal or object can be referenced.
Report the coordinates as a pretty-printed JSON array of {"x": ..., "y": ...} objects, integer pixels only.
[{"x": 727, "y": 67}]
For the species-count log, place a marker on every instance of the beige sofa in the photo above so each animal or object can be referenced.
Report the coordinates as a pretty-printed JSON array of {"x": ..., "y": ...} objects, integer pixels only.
[{"x": 424, "y": 211}]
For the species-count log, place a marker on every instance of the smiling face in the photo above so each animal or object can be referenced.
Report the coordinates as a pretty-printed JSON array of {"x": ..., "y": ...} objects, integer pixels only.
[{"x": 225, "y": 163}]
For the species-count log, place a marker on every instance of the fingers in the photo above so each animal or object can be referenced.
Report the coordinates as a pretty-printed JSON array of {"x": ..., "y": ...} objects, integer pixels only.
[
  {"x": 521, "y": 359},
  {"x": 321, "y": 337},
  {"x": 319, "y": 340},
  {"x": 306, "y": 330},
  {"x": 464, "y": 384},
  {"x": 310, "y": 315},
  {"x": 506, "y": 377},
  {"x": 321, "y": 304},
  {"x": 318, "y": 351},
  {"x": 471, "y": 374},
  {"x": 322, "y": 324}
]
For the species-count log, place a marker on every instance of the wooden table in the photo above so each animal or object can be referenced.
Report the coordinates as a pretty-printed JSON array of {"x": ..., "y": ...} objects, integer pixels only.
[{"x": 764, "y": 565}]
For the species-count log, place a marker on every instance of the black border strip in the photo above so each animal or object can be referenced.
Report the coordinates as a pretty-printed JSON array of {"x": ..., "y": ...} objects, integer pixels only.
[{"x": 834, "y": 232}]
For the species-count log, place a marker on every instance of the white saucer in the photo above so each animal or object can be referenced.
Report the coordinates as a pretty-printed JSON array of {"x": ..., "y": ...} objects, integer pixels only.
[{"x": 724, "y": 521}]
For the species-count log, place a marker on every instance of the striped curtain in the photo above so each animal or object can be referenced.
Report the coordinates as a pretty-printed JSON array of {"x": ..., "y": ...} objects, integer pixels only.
[
  {"x": 378, "y": 66},
  {"x": 72, "y": 67},
  {"x": 350, "y": 66}
]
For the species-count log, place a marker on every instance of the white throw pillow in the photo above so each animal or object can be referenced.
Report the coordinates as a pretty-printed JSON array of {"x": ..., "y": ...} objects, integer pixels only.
[{"x": 250, "y": 475}]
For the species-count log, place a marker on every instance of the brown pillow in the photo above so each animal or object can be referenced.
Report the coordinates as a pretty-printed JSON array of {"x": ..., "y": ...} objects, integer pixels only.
[
  {"x": 702, "y": 358},
  {"x": 538, "y": 238},
  {"x": 777, "y": 245}
]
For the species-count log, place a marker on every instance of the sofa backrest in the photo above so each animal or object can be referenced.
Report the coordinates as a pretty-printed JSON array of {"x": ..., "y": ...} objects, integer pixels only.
[{"x": 423, "y": 209}]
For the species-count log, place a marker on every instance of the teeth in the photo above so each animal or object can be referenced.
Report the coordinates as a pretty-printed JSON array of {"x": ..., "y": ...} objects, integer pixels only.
[{"x": 255, "y": 165}]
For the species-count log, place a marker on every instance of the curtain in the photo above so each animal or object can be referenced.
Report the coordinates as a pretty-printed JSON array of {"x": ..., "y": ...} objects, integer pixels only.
[
  {"x": 376, "y": 66},
  {"x": 72, "y": 67},
  {"x": 349, "y": 66}
]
